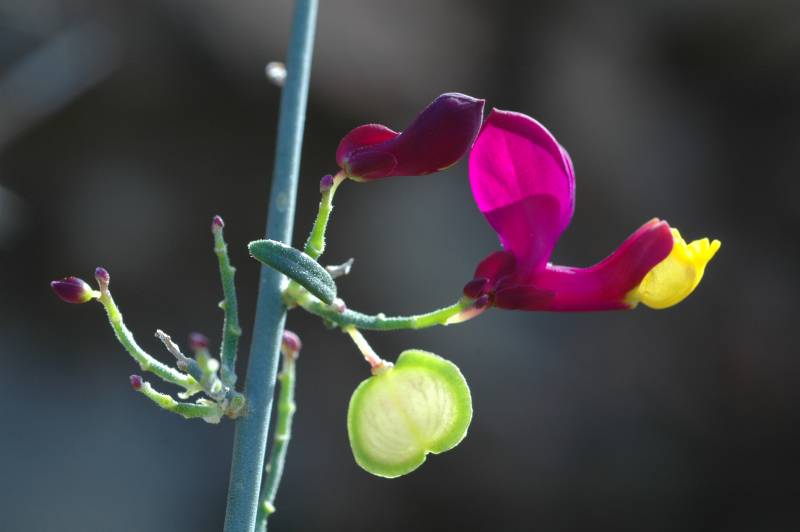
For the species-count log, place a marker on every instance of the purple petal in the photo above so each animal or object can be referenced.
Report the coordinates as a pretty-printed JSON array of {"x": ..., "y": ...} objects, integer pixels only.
[
  {"x": 605, "y": 285},
  {"x": 437, "y": 139},
  {"x": 528, "y": 229},
  {"x": 515, "y": 159},
  {"x": 522, "y": 297},
  {"x": 360, "y": 137},
  {"x": 496, "y": 265}
]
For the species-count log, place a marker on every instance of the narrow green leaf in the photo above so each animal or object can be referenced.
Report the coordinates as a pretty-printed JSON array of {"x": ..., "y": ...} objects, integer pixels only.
[
  {"x": 295, "y": 265},
  {"x": 422, "y": 405}
]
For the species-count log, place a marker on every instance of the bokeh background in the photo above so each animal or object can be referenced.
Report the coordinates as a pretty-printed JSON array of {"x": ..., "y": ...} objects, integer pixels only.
[{"x": 124, "y": 126}]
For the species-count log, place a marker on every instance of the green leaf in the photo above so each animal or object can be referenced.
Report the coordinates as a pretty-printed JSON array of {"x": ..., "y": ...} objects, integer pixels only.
[
  {"x": 296, "y": 265},
  {"x": 421, "y": 405}
]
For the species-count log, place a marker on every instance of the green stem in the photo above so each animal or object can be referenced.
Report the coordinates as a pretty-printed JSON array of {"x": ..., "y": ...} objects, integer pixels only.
[
  {"x": 380, "y": 322},
  {"x": 283, "y": 431},
  {"x": 252, "y": 429},
  {"x": 205, "y": 409},
  {"x": 146, "y": 362},
  {"x": 315, "y": 245},
  {"x": 231, "y": 331}
]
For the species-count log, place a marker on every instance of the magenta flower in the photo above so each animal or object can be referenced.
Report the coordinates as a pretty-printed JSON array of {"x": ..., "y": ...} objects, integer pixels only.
[
  {"x": 524, "y": 184},
  {"x": 435, "y": 140}
]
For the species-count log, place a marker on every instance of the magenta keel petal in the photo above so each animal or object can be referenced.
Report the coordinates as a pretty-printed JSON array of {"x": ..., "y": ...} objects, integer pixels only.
[{"x": 605, "y": 285}]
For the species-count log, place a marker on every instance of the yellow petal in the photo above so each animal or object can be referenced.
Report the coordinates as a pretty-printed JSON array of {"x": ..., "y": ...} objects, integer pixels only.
[{"x": 674, "y": 278}]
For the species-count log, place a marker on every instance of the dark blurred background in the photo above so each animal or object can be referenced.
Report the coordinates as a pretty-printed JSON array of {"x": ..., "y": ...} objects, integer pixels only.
[{"x": 124, "y": 126}]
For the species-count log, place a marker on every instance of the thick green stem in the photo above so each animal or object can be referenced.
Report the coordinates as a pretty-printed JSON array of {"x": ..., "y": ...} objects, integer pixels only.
[
  {"x": 283, "y": 431},
  {"x": 381, "y": 322},
  {"x": 231, "y": 331},
  {"x": 146, "y": 362},
  {"x": 252, "y": 430},
  {"x": 315, "y": 245}
]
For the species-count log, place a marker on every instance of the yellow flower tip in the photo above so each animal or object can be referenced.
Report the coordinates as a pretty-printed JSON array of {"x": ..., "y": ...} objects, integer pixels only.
[{"x": 674, "y": 278}]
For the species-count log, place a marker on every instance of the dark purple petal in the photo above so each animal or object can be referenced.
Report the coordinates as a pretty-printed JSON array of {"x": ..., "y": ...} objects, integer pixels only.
[
  {"x": 522, "y": 297},
  {"x": 435, "y": 140},
  {"x": 605, "y": 285},
  {"x": 72, "y": 290},
  {"x": 523, "y": 182},
  {"x": 496, "y": 265},
  {"x": 361, "y": 137}
]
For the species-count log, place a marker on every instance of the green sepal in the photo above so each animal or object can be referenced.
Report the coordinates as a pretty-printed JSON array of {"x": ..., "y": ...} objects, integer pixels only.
[
  {"x": 421, "y": 405},
  {"x": 295, "y": 265}
]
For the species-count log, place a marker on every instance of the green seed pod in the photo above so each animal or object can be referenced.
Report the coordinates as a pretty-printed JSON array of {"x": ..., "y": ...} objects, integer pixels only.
[{"x": 421, "y": 405}]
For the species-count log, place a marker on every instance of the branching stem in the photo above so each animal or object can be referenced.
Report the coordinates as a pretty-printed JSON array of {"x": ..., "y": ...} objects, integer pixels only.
[
  {"x": 146, "y": 362},
  {"x": 231, "y": 331}
]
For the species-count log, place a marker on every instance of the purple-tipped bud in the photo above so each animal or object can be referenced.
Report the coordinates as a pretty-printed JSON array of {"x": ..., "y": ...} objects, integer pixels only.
[
  {"x": 136, "y": 382},
  {"x": 291, "y": 344},
  {"x": 217, "y": 224},
  {"x": 325, "y": 183},
  {"x": 441, "y": 134},
  {"x": 198, "y": 341},
  {"x": 73, "y": 290},
  {"x": 102, "y": 276}
]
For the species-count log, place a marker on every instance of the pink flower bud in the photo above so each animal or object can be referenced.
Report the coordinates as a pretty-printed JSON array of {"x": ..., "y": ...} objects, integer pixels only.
[
  {"x": 325, "y": 183},
  {"x": 102, "y": 276},
  {"x": 217, "y": 223},
  {"x": 136, "y": 382},
  {"x": 73, "y": 290},
  {"x": 197, "y": 341},
  {"x": 291, "y": 344}
]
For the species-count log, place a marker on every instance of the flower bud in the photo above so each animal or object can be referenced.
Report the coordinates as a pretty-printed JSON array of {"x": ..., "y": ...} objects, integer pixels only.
[
  {"x": 217, "y": 224},
  {"x": 102, "y": 276},
  {"x": 136, "y": 382},
  {"x": 291, "y": 344},
  {"x": 198, "y": 341},
  {"x": 325, "y": 183},
  {"x": 435, "y": 140},
  {"x": 73, "y": 290}
]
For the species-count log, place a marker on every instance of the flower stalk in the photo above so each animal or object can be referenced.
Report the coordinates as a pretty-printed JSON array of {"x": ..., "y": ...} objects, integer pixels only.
[
  {"x": 146, "y": 361},
  {"x": 315, "y": 245},
  {"x": 273, "y": 471}
]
